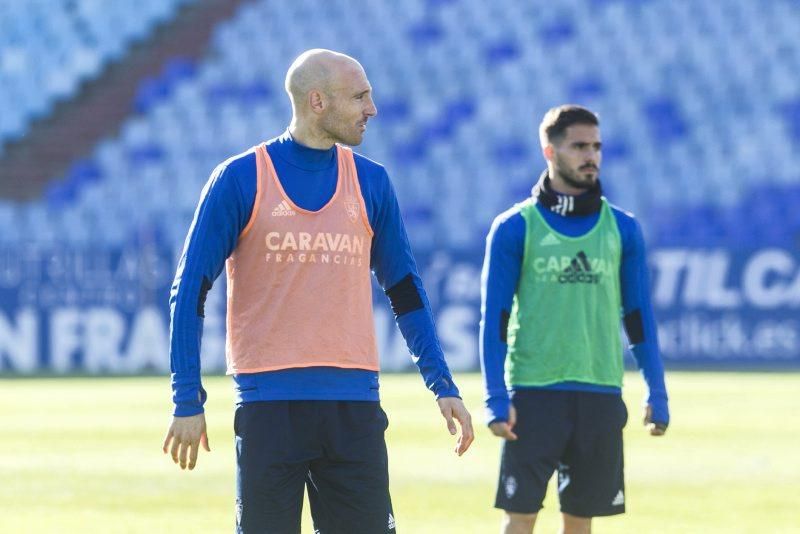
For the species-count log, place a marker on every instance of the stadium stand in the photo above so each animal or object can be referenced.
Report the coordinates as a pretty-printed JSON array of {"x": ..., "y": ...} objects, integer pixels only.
[
  {"x": 698, "y": 101},
  {"x": 97, "y": 110},
  {"x": 49, "y": 47}
]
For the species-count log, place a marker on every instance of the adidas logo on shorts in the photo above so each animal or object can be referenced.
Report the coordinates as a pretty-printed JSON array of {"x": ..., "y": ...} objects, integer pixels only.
[
  {"x": 619, "y": 500},
  {"x": 283, "y": 210}
]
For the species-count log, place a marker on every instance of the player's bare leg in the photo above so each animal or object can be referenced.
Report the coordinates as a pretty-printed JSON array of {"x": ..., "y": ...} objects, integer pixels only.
[
  {"x": 518, "y": 523},
  {"x": 576, "y": 525}
]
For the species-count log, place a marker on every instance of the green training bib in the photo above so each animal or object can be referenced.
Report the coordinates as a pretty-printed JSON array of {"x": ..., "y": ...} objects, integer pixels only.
[{"x": 565, "y": 319}]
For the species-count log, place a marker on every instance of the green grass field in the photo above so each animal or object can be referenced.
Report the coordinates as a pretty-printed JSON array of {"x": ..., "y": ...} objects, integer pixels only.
[{"x": 84, "y": 455}]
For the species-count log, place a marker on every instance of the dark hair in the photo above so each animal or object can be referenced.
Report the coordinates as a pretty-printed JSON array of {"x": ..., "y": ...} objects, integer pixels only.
[{"x": 556, "y": 121}]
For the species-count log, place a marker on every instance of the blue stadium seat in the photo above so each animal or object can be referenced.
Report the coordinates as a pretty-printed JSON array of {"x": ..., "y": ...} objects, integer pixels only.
[
  {"x": 501, "y": 52},
  {"x": 425, "y": 33},
  {"x": 693, "y": 98},
  {"x": 397, "y": 110},
  {"x": 666, "y": 122},
  {"x": 557, "y": 32},
  {"x": 586, "y": 88},
  {"x": 48, "y": 48},
  {"x": 790, "y": 111}
]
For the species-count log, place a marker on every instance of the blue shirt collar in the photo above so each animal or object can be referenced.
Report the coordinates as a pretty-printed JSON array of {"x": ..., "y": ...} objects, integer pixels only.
[{"x": 301, "y": 156}]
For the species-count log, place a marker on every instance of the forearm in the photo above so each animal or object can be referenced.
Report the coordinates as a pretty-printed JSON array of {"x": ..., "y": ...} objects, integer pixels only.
[
  {"x": 639, "y": 320},
  {"x": 415, "y": 320},
  {"x": 188, "y": 394},
  {"x": 645, "y": 350},
  {"x": 495, "y": 312},
  {"x": 393, "y": 264},
  {"x": 499, "y": 277},
  {"x": 185, "y": 336},
  {"x": 493, "y": 348},
  {"x": 496, "y": 397},
  {"x": 221, "y": 215}
]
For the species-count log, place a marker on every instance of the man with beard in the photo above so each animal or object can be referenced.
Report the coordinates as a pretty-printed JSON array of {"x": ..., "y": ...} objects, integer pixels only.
[
  {"x": 560, "y": 270},
  {"x": 299, "y": 222}
]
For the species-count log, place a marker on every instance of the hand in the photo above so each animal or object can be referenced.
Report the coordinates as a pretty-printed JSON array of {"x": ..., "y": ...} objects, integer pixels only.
[
  {"x": 503, "y": 429},
  {"x": 656, "y": 429},
  {"x": 186, "y": 435},
  {"x": 453, "y": 408}
]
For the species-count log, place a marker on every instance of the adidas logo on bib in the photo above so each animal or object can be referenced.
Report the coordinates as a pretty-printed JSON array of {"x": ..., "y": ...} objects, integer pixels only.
[
  {"x": 283, "y": 210},
  {"x": 549, "y": 240},
  {"x": 579, "y": 271}
]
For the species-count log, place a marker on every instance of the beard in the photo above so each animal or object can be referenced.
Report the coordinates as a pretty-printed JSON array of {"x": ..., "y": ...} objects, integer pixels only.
[
  {"x": 577, "y": 179},
  {"x": 348, "y": 135},
  {"x": 341, "y": 131}
]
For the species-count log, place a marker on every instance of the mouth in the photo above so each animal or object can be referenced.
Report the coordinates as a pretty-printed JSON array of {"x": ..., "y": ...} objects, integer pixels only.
[{"x": 362, "y": 126}]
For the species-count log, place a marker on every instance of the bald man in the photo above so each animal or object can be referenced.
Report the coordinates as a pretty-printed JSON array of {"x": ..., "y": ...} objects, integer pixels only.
[{"x": 299, "y": 222}]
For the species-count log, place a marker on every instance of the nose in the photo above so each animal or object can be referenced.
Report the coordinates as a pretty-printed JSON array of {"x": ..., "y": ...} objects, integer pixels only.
[{"x": 371, "y": 110}]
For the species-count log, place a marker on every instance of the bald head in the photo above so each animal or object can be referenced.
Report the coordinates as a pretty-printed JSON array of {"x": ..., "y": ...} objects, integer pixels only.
[
  {"x": 317, "y": 69},
  {"x": 331, "y": 99}
]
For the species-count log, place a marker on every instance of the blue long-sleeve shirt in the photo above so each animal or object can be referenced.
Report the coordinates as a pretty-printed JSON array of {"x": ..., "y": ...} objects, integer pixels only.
[
  {"x": 499, "y": 280},
  {"x": 309, "y": 177}
]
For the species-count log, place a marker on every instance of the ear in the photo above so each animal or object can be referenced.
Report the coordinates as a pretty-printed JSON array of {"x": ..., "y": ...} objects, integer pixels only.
[
  {"x": 316, "y": 101},
  {"x": 548, "y": 152}
]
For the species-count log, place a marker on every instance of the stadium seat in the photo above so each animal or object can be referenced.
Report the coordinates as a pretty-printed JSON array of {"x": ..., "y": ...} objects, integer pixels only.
[
  {"x": 693, "y": 97},
  {"x": 49, "y": 47}
]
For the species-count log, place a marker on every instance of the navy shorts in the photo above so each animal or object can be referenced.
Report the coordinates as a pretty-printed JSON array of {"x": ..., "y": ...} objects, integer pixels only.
[
  {"x": 578, "y": 434},
  {"x": 334, "y": 449}
]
